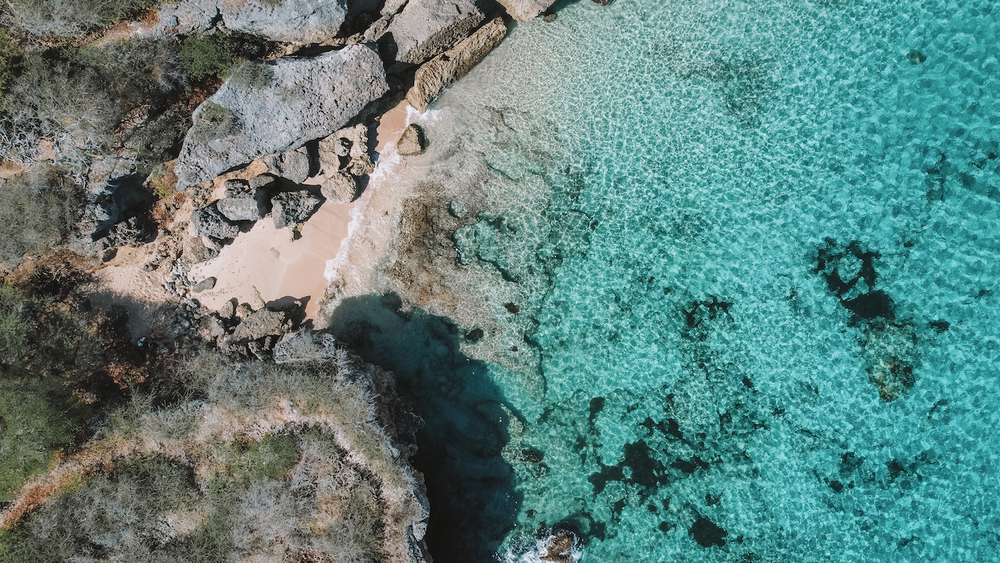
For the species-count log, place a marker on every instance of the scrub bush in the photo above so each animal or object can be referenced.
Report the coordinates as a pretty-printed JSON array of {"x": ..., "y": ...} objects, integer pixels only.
[
  {"x": 38, "y": 210},
  {"x": 207, "y": 55},
  {"x": 68, "y": 18}
]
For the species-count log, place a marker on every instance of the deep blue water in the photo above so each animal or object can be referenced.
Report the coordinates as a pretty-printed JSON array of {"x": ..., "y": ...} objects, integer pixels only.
[{"x": 753, "y": 253}]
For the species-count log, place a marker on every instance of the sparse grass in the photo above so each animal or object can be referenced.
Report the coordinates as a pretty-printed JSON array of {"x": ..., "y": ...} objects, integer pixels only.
[
  {"x": 251, "y": 75},
  {"x": 212, "y": 121},
  {"x": 37, "y": 210},
  {"x": 51, "y": 19}
]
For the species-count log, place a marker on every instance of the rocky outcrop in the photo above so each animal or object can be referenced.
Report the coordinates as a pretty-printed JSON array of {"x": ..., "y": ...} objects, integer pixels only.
[
  {"x": 305, "y": 346},
  {"x": 291, "y": 208},
  {"x": 525, "y": 9},
  {"x": 440, "y": 72},
  {"x": 245, "y": 206},
  {"x": 266, "y": 109},
  {"x": 427, "y": 27},
  {"x": 298, "y": 21},
  {"x": 209, "y": 222},
  {"x": 292, "y": 166},
  {"x": 412, "y": 141}
]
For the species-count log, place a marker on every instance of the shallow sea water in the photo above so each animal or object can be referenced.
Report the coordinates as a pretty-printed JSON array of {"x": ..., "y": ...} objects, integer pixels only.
[{"x": 727, "y": 227}]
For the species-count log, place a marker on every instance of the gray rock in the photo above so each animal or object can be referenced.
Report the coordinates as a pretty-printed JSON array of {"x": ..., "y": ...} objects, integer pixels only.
[
  {"x": 440, "y": 72},
  {"x": 292, "y": 165},
  {"x": 260, "y": 324},
  {"x": 291, "y": 208},
  {"x": 339, "y": 187},
  {"x": 427, "y": 27},
  {"x": 204, "y": 285},
  {"x": 273, "y": 108},
  {"x": 412, "y": 141},
  {"x": 186, "y": 18},
  {"x": 346, "y": 150},
  {"x": 525, "y": 9},
  {"x": 265, "y": 181},
  {"x": 246, "y": 206},
  {"x": 294, "y": 21},
  {"x": 227, "y": 310},
  {"x": 208, "y": 222},
  {"x": 305, "y": 346},
  {"x": 457, "y": 208},
  {"x": 235, "y": 187}
]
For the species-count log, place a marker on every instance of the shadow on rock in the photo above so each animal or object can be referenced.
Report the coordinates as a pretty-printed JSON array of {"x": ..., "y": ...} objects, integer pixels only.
[{"x": 470, "y": 486}]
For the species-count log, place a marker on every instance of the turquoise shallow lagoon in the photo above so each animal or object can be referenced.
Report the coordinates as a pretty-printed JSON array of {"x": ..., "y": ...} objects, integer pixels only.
[{"x": 748, "y": 256}]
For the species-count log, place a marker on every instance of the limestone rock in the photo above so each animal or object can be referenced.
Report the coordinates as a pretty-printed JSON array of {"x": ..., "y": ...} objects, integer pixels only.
[
  {"x": 412, "y": 141},
  {"x": 209, "y": 222},
  {"x": 265, "y": 181},
  {"x": 305, "y": 346},
  {"x": 204, "y": 285},
  {"x": 187, "y": 18},
  {"x": 427, "y": 27},
  {"x": 235, "y": 187},
  {"x": 442, "y": 71},
  {"x": 295, "y": 21},
  {"x": 339, "y": 187},
  {"x": 273, "y": 108},
  {"x": 292, "y": 165},
  {"x": 525, "y": 9},
  {"x": 291, "y": 208},
  {"x": 260, "y": 324},
  {"x": 246, "y": 206}
]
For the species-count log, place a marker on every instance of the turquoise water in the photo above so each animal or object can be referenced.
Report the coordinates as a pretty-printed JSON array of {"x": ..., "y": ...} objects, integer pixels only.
[{"x": 753, "y": 254}]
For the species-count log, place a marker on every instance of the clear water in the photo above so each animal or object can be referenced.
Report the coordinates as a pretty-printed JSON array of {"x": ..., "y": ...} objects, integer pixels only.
[{"x": 660, "y": 182}]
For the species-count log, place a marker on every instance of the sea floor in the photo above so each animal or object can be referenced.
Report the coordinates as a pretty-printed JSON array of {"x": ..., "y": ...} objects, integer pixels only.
[{"x": 727, "y": 279}]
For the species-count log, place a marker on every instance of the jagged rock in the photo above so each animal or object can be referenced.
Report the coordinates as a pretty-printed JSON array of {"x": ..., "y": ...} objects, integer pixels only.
[
  {"x": 294, "y": 21},
  {"x": 412, "y": 141},
  {"x": 350, "y": 143},
  {"x": 291, "y": 208},
  {"x": 259, "y": 324},
  {"x": 243, "y": 311},
  {"x": 339, "y": 187},
  {"x": 441, "y": 71},
  {"x": 525, "y": 9},
  {"x": 265, "y": 181},
  {"x": 209, "y": 222},
  {"x": 273, "y": 108},
  {"x": 235, "y": 187},
  {"x": 292, "y": 165},
  {"x": 427, "y": 27},
  {"x": 246, "y": 206},
  {"x": 212, "y": 327},
  {"x": 227, "y": 310},
  {"x": 305, "y": 346},
  {"x": 204, "y": 285},
  {"x": 560, "y": 548}
]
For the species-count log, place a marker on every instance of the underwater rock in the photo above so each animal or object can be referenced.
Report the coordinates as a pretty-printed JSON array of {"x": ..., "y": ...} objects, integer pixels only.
[
  {"x": 890, "y": 351},
  {"x": 916, "y": 57},
  {"x": 442, "y": 71},
  {"x": 707, "y": 533},
  {"x": 413, "y": 141},
  {"x": 850, "y": 275}
]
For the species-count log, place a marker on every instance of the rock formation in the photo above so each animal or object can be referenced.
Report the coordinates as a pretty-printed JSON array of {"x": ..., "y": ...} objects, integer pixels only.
[
  {"x": 427, "y": 27},
  {"x": 412, "y": 141},
  {"x": 525, "y": 9},
  {"x": 442, "y": 71},
  {"x": 265, "y": 109}
]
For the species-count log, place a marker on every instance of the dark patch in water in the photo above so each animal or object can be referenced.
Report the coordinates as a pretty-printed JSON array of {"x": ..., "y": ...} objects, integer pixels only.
[
  {"x": 939, "y": 326},
  {"x": 873, "y": 305},
  {"x": 712, "y": 500},
  {"x": 475, "y": 335},
  {"x": 707, "y": 533},
  {"x": 596, "y": 406},
  {"x": 837, "y": 486},
  {"x": 689, "y": 466},
  {"x": 511, "y": 308},
  {"x": 473, "y": 500},
  {"x": 666, "y": 526},
  {"x": 531, "y": 455},
  {"x": 646, "y": 470}
]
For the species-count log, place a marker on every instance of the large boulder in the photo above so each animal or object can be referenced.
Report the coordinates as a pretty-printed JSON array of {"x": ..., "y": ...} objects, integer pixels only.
[
  {"x": 245, "y": 206},
  {"x": 291, "y": 208},
  {"x": 295, "y": 21},
  {"x": 305, "y": 346},
  {"x": 260, "y": 324},
  {"x": 427, "y": 27},
  {"x": 525, "y": 9},
  {"x": 440, "y": 72},
  {"x": 412, "y": 141},
  {"x": 265, "y": 109},
  {"x": 292, "y": 165},
  {"x": 339, "y": 187},
  {"x": 209, "y": 222},
  {"x": 188, "y": 17}
]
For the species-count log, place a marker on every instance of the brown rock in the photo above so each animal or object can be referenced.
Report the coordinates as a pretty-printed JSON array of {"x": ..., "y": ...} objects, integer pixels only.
[
  {"x": 560, "y": 549},
  {"x": 412, "y": 141},
  {"x": 339, "y": 187},
  {"x": 443, "y": 70}
]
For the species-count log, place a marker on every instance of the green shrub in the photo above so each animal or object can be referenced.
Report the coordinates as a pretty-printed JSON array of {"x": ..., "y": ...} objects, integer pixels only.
[
  {"x": 207, "y": 55},
  {"x": 38, "y": 210},
  {"x": 13, "y": 325},
  {"x": 247, "y": 461}
]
